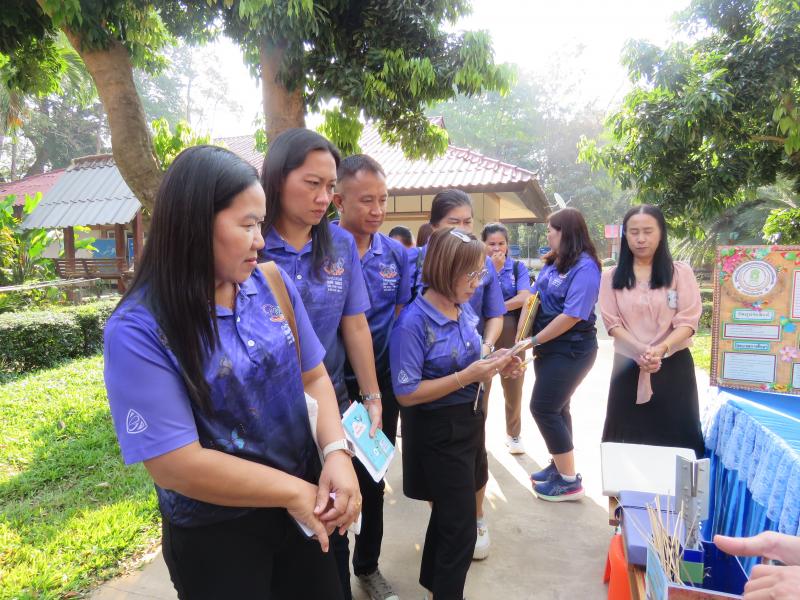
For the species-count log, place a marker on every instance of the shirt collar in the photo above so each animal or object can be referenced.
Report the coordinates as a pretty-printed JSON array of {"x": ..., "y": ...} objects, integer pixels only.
[
  {"x": 248, "y": 288},
  {"x": 273, "y": 240},
  {"x": 431, "y": 311},
  {"x": 509, "y": 264}
]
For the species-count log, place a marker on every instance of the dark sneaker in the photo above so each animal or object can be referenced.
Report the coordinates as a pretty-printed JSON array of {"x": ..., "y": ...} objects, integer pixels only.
[
  {"x": 377, "y": 587},
  {"x": 559, "y": 489},
  {"x": 546, "y": 474}
]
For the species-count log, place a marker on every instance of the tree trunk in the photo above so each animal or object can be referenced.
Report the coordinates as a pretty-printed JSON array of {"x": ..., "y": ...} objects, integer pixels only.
[
  {"x": 131, "y": 142},
  {"x": 283, "y": 108}
]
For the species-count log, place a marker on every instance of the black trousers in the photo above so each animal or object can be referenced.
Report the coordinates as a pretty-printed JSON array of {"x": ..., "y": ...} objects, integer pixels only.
[
  {"x": 367, "y": 547},
  {"x": 450, "y": 455},
  {"x": 558, "y": 374},
  {"x": 262, "y": 555}
]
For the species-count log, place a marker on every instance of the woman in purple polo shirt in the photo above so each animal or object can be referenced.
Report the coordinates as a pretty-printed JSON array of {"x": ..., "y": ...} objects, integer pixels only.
[
  {"x": 299, "y": 176},
  {"x": 453, "y": 208},
  {"x": 565, "y": 346},
  {"x": 516, "y": 285},
  {"x": 435, "y": 358},
  {"x": 206, "y": 389}
]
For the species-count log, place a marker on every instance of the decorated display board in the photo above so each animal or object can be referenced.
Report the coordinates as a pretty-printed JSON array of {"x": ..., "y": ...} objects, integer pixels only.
[{"x": 755, "y": 343}]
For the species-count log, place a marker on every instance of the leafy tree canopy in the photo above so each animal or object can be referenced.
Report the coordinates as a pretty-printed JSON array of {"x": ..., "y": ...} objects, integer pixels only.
[
  {"x": 710, "y": 121},
  {"x": 381, "y": 59}
]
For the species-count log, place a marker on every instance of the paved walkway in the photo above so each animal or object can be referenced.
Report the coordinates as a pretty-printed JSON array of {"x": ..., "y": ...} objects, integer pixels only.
[{"x": 539, "y": 550}]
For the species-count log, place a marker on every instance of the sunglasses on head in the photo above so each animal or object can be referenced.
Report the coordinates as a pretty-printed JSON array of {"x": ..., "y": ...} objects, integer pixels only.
[{"x": 460, "y": 235}]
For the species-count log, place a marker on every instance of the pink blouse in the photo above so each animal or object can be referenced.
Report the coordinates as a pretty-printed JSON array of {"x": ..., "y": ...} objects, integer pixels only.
[{"x": 651, "y": 315}]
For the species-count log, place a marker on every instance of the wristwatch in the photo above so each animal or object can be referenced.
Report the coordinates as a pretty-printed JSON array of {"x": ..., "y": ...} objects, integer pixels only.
[
  {"x": 344, "y": 444},
  {"x": 370, "y": 397}
]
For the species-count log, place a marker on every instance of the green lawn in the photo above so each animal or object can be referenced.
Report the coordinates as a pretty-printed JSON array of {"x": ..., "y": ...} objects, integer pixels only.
[
  {"x": 71, "y": 513},
  {"x": 701, "y": 349}
]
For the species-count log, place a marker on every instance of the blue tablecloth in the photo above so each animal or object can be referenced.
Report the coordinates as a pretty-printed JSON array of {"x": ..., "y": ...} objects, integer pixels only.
[{"x": 753, "y": 440}]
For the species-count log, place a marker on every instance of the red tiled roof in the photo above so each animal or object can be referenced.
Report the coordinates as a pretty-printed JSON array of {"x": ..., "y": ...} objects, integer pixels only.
[
  {"x": 30, "y": 185},
  {"x": 457, "y": 167}
]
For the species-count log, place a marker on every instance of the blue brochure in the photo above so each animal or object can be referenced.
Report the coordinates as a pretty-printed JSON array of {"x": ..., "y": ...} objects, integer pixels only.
[{"x": 375, "y": 453}]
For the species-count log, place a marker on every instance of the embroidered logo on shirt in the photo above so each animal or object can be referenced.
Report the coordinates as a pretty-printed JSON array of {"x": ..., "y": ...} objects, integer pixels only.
[
  {"x": 274, "y": 313},
  {"x": 388, "y": 271},
  {"x": 134, "y": 422},
  {"x": 334, "y": 268},
  {"x": 402, "y": 377},
  {"x": 389, "y": 275}
]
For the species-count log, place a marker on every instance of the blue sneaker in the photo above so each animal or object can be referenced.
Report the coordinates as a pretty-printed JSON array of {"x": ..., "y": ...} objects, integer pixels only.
[
  {"x": 559, "y": 489},
  {"x": 545, "y": 474}
]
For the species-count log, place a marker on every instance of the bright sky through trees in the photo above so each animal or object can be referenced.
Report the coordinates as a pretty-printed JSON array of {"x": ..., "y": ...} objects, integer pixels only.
[{"x": 583, "y": 37}]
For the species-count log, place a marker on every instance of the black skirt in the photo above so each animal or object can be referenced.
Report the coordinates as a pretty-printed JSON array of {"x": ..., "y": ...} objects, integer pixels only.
[{"x": 671, "y": 418}]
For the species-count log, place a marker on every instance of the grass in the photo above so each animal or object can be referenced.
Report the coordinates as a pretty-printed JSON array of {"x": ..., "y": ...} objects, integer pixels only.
[
  {"x": 71, "y": 514},
  {"x": 701, "y": 350}
]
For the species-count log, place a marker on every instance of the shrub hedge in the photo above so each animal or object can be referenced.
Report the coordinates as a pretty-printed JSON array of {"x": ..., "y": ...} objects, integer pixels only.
[{"x": 42, "y": 339}]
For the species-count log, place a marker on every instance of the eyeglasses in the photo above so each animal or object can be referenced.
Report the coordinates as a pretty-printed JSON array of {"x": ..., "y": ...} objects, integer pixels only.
[
  {"x": 460, "y": 235},
  {"x": 477, "y": 274}
]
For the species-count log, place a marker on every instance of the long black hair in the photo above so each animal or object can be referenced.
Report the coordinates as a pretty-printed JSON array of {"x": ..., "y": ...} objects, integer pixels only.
[
  {"x": 575, "y": 240},
  {"x": 663, "y": 269},
  {"x": 175, "y": 277},
  {"x": 287, "y": 152}
]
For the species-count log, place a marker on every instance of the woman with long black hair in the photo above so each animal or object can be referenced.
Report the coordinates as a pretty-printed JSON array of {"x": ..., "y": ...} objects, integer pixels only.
[
  {"x": 299, "y": 177},
  {"x": 651, "y": 307},
  {"x": 565, "y": 346},
  {"x": 206, "y": 387}
]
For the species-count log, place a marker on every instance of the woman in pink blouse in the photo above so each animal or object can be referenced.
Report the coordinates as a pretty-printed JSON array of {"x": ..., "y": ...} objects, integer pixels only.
[{"x": 651, "y": 307}]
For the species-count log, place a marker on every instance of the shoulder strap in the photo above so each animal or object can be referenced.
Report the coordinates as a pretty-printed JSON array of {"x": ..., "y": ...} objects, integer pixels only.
[{"x": 278, "y": 288}]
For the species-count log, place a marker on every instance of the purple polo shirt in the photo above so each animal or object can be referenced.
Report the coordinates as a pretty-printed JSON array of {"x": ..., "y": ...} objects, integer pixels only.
[
  {"x": 258, "y": 405},
  {"x": 487, "y": 301},
  {"x": 425, "y": 344},
  {"x": 386, "y": 273},
  {"x": 513, "y": 278},
  {"x": 334, "y": 291},
  {"x": 573, "y": 293}
]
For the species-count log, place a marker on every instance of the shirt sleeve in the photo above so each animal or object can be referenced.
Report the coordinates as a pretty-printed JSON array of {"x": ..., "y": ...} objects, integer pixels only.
[
  {"x": 493, "y": 303},
  {"x": 150, "y": 406},
  {"x": 609, "y": 309},
  {"x": 523, "y": 280},
  {"x": 404, "y": 287},
  {"x": 406, "y": 357},
  {"x": 583, "y": 291},
  {"x": 357, "y": 300},
  {"x": 690, "y": 304},
  {"x": 311, "y": 350}
]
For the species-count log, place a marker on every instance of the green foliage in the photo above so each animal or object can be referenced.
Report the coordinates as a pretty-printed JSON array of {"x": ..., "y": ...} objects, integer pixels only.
[
  {"x": 701, "y": 350},
  {"x": 345, "y": 129},
  {"x": 42, "y": 339},
  {"x": 168, "y": 144},
  {"x": 37, "y": 340},
  {"x": 23, "y": 259},
  {"x": 706, "y": 314},
  {"x": 92, "y": 320},
  {"x": 71, "y": 513},
  {"x": 710, "y": 122},
  {"x": 386, "y": 61},
  {"x": 524, "y": 128},
  {"x": 783, "y": 226}
]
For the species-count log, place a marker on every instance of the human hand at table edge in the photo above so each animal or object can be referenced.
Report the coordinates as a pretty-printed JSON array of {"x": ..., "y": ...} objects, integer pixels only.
[{"x": 768, "y": 581}]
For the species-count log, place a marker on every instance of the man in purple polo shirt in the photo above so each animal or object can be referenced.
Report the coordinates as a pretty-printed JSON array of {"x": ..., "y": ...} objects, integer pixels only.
[{"x": 361, "y": 197}]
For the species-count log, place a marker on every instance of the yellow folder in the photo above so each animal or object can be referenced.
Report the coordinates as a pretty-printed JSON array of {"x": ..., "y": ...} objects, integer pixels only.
[{"x": 528, "y": 316}]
